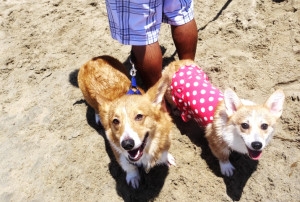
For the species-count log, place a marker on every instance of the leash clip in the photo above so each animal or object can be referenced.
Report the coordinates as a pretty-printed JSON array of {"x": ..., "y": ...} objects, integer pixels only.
[
  {"x": 133, "y": 88},
  {"x": 133, "y": 69}
]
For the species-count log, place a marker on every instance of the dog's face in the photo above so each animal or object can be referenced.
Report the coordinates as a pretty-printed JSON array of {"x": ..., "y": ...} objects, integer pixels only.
[
  {"x": 131, "y": 122},
  {"x": 253, "y": 125},
  {"x": 134, "y": 122}
]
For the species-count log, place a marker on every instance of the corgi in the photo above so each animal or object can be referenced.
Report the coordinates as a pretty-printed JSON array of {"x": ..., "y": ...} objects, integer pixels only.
[
  {"x": 137, "y": 127},
  {"x": 230, "y": 123}
]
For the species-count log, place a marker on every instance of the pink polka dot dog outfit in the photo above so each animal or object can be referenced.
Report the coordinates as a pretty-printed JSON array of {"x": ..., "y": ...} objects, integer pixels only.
[{"x": 194, "y": 96}]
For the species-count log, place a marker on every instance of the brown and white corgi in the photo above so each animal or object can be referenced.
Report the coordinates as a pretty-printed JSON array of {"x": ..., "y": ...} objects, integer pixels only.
[
  {"x": 236, "y": 124},
  {"x": 137, "y": 127}
]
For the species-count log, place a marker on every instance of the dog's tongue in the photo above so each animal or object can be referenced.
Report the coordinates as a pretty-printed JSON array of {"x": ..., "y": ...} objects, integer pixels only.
[
  {"x": 133, "y": 153},
  {"x": 255, "y": 155}
]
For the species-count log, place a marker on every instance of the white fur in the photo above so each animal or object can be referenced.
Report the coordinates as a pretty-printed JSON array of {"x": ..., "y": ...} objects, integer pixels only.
[
  {"x": 97, "y": 119},
  {"x": 129, "y": 133},
  {"x": 234, "y": 140},
  {"x": 254, "y": 136},
  {"x": 171, "y": 160},
  {"x": 226, "y": 168},
  {"x": 132, "y": 172},
  {"x": 167, "y": 158}
]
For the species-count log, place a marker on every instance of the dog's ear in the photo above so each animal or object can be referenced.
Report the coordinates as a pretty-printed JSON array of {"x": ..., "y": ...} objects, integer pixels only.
[
  {"x": 156, "y": 93},
  {"x": 232, "y": 101},
  {"x": 275, "y": 103},
  {"x": 102, "y": 102}
]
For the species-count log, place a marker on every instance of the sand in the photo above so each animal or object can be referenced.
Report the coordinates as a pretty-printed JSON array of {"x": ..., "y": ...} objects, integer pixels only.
[{"x": 51, "y": 149}]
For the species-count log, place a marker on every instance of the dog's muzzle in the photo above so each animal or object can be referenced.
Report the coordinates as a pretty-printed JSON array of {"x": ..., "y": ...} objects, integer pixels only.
[
  {"x": 135, "y": 154},
  {"x": 127, "y": 144},
  {"x": 255, "y": 152}
]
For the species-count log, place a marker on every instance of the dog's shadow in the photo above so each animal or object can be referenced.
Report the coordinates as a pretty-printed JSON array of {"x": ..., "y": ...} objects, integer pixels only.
[{"x": 244, "y": 166}]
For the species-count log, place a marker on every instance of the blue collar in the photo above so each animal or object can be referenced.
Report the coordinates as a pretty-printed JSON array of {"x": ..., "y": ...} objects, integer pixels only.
[{"x": 133, "y": 88}]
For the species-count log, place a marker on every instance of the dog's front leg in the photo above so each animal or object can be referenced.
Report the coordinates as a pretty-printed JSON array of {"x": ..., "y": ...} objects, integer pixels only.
[
  {"x": 97, "y": 119},
  {"x": 223, "y": 156},
  {"x": 171, "y": 160},
  {"x": 167, "y": 158},
  {"x": 132, "y": 172},
  {"x": 226, "y": 168},
  {"x": 220, "y": 150}
]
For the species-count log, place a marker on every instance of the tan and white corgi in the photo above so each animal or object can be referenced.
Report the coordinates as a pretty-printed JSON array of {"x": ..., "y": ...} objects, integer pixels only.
[
  {"x": 137, "y": 126},
  {"x": 236, "y": 124},
  {"x": 242, "y": 126}
]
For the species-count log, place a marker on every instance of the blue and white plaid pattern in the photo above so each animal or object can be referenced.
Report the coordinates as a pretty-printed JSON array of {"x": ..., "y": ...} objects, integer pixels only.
[{"x": 137, "y": 22}]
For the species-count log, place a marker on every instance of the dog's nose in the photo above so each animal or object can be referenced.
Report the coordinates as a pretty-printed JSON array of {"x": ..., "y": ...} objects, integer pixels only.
[
  {"x": 256, "y": 145},
  {"x": 128, "y": 144}
]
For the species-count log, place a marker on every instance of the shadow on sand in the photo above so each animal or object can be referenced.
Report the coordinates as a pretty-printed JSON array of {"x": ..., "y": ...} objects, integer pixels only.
[{"x": 243, "y": 164}]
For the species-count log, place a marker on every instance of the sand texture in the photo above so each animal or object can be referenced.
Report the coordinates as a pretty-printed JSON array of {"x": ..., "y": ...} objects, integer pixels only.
[{"x": 51, "y": 149}]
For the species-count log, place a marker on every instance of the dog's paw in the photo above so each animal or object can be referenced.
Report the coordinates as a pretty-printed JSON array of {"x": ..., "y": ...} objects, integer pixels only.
[
  {"x": 133, "y": 179},
  {"x": 97, "y": 119},
  {"x": 226, "y": 168},
  {"x": 171, "y": 160}
]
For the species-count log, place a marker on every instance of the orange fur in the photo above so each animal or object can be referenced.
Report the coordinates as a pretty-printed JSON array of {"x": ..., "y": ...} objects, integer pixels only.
[
  {"x": 102, "y": 80},
  {"x": 104, "y": 84}
]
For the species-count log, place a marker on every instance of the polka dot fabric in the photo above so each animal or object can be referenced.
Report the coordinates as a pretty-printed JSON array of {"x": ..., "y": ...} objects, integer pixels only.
[{"x": 194, "y": 96}]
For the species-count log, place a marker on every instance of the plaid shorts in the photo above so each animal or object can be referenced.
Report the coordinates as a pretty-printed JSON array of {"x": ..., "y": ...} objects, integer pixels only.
[{"x": 137, "y": 22}]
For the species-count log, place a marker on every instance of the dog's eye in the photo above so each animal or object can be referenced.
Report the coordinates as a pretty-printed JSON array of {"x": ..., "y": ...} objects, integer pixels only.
[
  {"x": 245, "y": 126},
  {"x": 116, "y": 122},
  {"x": 264, "y": 126},
  {"x": 139, "y": 117}
]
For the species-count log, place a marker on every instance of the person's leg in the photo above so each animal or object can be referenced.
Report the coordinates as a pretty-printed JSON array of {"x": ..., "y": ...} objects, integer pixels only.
[
  {"x": 148, "y": 62},
  {"x": 137, "y": 23},
  {"x": 185, "y": 38}
]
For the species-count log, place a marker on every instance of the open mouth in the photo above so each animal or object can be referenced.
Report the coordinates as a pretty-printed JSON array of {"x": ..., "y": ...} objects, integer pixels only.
[
  {"x": 254, "y": 154},
  {"x": 136, "y": 154}
]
